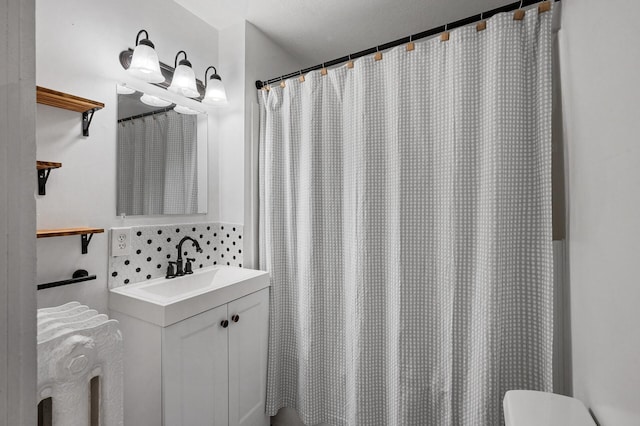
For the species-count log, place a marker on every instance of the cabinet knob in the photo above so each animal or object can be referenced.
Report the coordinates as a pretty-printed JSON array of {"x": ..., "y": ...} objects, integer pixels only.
[
  {"x": 235, "y": 318},
  {"x": 224, "y": 323}
]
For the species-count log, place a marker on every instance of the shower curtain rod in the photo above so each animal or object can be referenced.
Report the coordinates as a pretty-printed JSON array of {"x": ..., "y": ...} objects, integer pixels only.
[
  {"x": 146, "y": 114},
  {"x": 456, "y": 24}
]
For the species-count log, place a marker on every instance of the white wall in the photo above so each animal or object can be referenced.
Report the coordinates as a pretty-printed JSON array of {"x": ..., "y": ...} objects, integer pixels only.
[
  {"x": 231, "y": 126},
  {"x": 77, "y": 48},
  {"x": 600, "y": 63},
  {"x": 17, "y": 214},
  {"x": 264, "y": 59},
  {"x": 246, "y": 54}
]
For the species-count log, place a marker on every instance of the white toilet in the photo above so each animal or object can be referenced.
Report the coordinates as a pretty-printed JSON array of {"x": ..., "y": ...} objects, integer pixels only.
[{"x": 533, "y": 408}]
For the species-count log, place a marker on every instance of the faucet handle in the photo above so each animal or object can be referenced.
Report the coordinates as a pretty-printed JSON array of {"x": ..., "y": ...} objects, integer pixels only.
[
  {"x": 170, "y": 271},
  {"x": 188, "y": 268}
]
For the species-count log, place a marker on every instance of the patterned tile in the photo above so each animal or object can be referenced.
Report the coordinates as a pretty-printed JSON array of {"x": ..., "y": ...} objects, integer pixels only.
[{"x": 153, "y": 246}]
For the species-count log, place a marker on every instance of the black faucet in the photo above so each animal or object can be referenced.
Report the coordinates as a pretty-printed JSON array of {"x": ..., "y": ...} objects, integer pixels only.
[{"x": 180, "y": 271}]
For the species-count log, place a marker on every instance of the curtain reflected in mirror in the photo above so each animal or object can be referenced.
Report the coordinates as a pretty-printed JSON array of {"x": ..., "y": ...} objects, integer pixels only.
[{"x": 161, "y": 159}]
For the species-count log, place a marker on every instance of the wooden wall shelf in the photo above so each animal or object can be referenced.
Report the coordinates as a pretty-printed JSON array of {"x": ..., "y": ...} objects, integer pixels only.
[
  {"x": 63, "y": 232},
  {"x": 44, "y": 168},
  {"x": 63, "y": 100},
  {"x": 44, "y": 165},
  {"x": 69, "y": 102},
  {"x": 85, "y": 234}
]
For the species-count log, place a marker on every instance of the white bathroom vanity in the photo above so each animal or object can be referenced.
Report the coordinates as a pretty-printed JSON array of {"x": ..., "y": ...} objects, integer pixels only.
[{"x": 195, "y": 348}]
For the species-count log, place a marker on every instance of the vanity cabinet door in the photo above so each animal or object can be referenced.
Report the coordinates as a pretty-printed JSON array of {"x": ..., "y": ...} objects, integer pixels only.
[
  {"x": 194, "y": 370},
  {"x": 248, "y": 340}
]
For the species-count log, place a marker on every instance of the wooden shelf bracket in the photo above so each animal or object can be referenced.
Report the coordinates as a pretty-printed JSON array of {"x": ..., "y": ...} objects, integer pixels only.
[
  {"x": 85, "y": 239},
  {"x": 44, "y": 168},
  {"x": 87, "y": 116},
  {"x": 43, "y": 175}
]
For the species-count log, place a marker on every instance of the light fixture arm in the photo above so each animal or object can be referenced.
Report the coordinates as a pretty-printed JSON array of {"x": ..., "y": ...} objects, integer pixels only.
[
  {"x": 138, "y": 36},
  {"x": 183, "y": 61},
  {"x": 215, "y": 75},
  {"x": 207, "y": 71}
]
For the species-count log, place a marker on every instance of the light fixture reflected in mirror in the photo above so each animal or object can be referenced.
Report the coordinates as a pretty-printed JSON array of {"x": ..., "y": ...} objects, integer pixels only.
[
  {"x": 123, "y": 89},
  {"x": 154, "y": 101},
  {"x": 215, "y": 93},
  {"x": 184, "y": 79},
  {"x": 181, "y": 109},
  {"x": 144, "y": 62}
]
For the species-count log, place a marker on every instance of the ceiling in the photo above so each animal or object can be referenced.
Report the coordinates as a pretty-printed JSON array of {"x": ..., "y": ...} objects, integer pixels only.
[{"x": 316, "y": 31}]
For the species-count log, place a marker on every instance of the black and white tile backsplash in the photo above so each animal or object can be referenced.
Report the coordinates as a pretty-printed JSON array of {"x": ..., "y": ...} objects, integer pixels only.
[{"x": 153, "y": 246}]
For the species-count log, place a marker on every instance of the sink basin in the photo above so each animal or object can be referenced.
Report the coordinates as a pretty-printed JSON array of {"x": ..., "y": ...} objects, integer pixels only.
[{"x": 164, "y": 301}]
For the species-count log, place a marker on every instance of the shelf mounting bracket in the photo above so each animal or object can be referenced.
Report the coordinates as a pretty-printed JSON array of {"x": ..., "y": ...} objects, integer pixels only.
[
  {"x": 85, "y": 239},
  {"x": 87, "y": 116},
  {"x": 43, "y": 175}
]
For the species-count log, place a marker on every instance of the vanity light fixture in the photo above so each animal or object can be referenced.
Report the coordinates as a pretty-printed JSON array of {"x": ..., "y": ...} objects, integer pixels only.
[
  {"x": 184, "y": 79},
  {"x": 214, "y": 89},
  {"x": 154, "y": 101},
  {"x": 181, "y": 109},
  {"x": 144, "y": 63}
]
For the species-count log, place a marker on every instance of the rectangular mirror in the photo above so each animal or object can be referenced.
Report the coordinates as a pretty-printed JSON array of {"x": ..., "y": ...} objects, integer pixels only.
[{"x": 162, "y": 156}]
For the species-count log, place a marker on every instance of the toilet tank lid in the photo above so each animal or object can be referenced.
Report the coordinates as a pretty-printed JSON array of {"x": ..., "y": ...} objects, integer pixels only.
[{"x": 533, "y": 408}]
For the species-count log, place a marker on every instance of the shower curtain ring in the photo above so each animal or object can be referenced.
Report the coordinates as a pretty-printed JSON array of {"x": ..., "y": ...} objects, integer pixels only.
[
  {"x": 323, "y": 71},
  {"x": 519, "y": 14},
  {"x": 378, "y": 55},
  {"x": 482, "y": 25},
  {"x": 301, "y": 78},
  {"x": 411, "y": 45},
  {"x": 350, "y": 63},
  {"x": 445, "y": 35}
]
